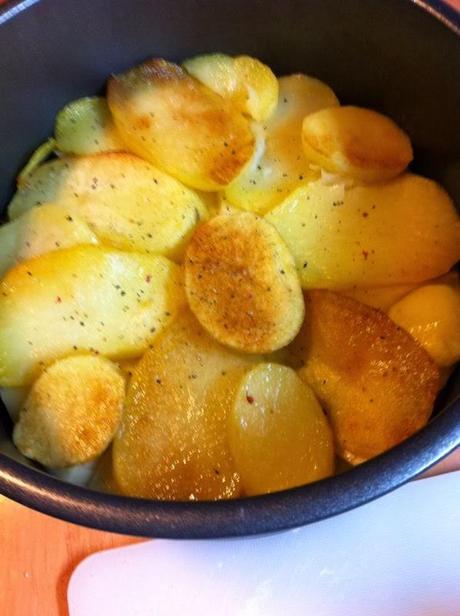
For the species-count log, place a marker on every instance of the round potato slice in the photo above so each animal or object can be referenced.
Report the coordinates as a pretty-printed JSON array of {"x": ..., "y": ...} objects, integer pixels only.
[
  {"x": 431, "y": 315},
  {"x": 171, "y": 119},
  {"x": 72, "y": 411},
  {"x": 356, "y": 142},
  {"x": 278, "y": 434},
  {"x": 242, "y": 285},
  {"x": 376, "y": 383}
]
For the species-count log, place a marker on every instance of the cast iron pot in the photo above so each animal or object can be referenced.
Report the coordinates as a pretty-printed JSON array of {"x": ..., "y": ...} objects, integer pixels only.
[{"x": 397, "y": 56}]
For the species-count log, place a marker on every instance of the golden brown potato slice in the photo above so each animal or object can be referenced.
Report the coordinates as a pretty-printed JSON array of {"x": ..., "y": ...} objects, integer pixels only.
[
  {"x": 247, "y": 82},
  {"x": 402, "y": 232},
  {"x": 87, "y": 298},
  {"x": 85, "y": 126},
  {"x": 374, "y": 380},
  {"x": 42, "y": 229},
  {"x": 279, "y": 164},
  {"x": 127, "y": 202},
  {"x": 356, "y": 142},
  {"x": 242, "y": 285},
  {"x": 172, "y": 444},
  {"x": 431, "y": 315},
  {"x": 72, "y": 412},
  {"x": 171, "y": 119},
  {"x": 278, "y": 434}
]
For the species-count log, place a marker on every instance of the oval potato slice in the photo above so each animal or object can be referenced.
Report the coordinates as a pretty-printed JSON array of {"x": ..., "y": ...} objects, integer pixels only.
[
  {"x": 242, "y": 285},
  {"x": 279, "y": 164},
  {"x": 431, "y": 315},
  {"x": 172, "y": 444},
  {"x": 247, "y": 82},
  {"x": 376, "y": 383},
  {"x": 278, "y": 434},
  {"x": 356, "y": 142},
  {"x": 85, "y": 126},
  {"x": 171, "y": 119},
  {"x": 402, "y": 232},
  {"x": 72, "y": 412},
  {"x": 125, "y": 201},
  {"x": 86, "y": 298}
]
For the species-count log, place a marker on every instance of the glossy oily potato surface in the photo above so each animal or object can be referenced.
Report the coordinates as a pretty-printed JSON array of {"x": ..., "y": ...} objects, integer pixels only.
[
  {"x": 171, "y": 119},
  {"x": 241, "y": 283}
]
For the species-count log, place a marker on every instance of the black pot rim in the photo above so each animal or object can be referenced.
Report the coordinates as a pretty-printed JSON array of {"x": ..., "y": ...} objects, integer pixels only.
[{"x": 249, "y": 516}]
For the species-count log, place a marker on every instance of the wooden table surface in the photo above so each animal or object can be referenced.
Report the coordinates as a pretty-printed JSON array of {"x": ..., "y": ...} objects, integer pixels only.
[{"x": 39, "y": 553}]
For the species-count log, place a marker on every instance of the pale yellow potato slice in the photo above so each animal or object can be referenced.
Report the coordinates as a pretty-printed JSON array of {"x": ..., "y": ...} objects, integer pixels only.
[
  {"x": 172, "y": 444},
  {"x": 380, "y": 297},
  {"x": 86, "y": 298},
  {"x": 279, "y": 164},
  {"x": 85, "y": 126},
  {"x": 171, "y": 119},
  {"x": 242, "y": 285},
  {"x": 431, "y": 315},
  {"x": 376, "y": 383},
  {"x": 356, "y": 142},
  {"x": 127, "y": 202},
  {"x": 247, "y": 82},
  {"x": 402, "y": 232},
  {"x": 278, "y": 434},
  {"x": 72, "y": 412},
  {"x": 42, "y": 229}
]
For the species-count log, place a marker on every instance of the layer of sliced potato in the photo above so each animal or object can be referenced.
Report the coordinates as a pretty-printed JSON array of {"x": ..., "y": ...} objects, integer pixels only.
[
  {"x": 39, "y": 156},
  {"x": 242, "y": 285},
  {"x": 124, "y": 200},
  {"x": 87, "y": 298},
  {"x": 171, "y": 119},
  {"x": 279, "y": 164},
  {"x": 380, "y": 297},
  {"x": 72, "y": 412},
  {"x": 356, "y": 142},
  {"x": 431, "y": 315},
  {"x": 247, "y": 82},
  {"x": 172, "y": 442},
  {"x": 278, "y": 434},
  {"x": 85, "y": 126},
  {"x": 375, "y": 381},
  {"x": 402, "y": 232},
  {"x": 40, "y": 230}
]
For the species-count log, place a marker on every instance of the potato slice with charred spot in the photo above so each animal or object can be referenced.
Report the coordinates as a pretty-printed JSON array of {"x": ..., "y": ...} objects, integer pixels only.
[
  {"x": 247, "y": 82},
  {"x": 127, "y": 202},
  {"x": 172, "y": 442},
  {"x": 72, "y": 412},
  {"x": 171, "y": 119},
  {"x": 431, "y": 315},
  {"x": 279, "y": 164},
  {"x": 402, "y": 232},
  {"x": 87, "y": 298},
  {"x": 376, "y": 382},
  {"x": 242, "y": 285},
  {"x": 85, "y": 126},
  {"x": 356, "y": 142}
]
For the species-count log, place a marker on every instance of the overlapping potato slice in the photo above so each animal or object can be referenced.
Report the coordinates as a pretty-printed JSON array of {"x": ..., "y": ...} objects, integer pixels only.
[
  {"x": 126, "y": 201},
  {"x": 87, "y": 298},
  {"x": 375, "y": 381},
  {"x": 380, "y": 297},
  {"x": 402, "y": 232},
  {"x": 72, "y": 412},
  {"x": 242, "y": 285},
  {"x": 431, "y": 315},
  {"x": 278, "y": 434},
  {"x": 356, "y": 142},
  {"x": 279, "y": 164},
  {"x": 172, "y": 443},
  {"x": 38, "y": 156},
  {"x": 246, "y": 81},
  {"x": 40, "y": 230},
  {"x": 85, "y": 126},
  {"x": 171, "y": 119}
]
